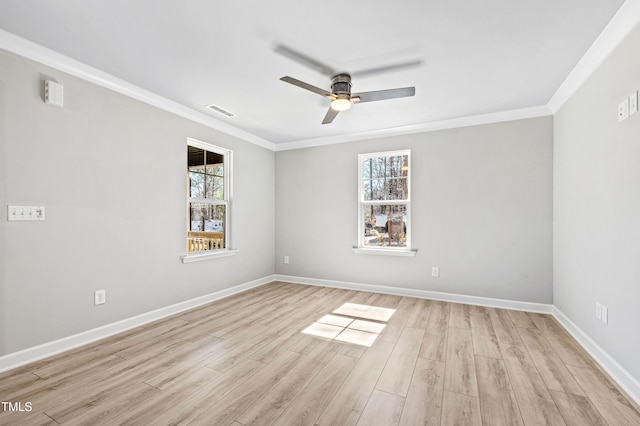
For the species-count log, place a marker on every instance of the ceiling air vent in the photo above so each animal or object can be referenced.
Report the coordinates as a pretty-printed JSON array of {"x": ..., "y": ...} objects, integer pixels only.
[{"x": 220, "y": 110}]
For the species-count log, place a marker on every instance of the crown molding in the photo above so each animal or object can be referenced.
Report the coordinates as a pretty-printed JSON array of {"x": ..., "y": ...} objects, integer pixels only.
[
  {"x": 453, "y": 123},
  {"x": 33, "y": 51},
  {"x": 622, "y": 23}
]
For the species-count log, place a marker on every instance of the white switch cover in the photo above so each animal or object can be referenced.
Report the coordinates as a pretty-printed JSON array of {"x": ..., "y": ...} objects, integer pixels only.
[
  {"x": 53, "y": 93},
  {"x": 605, "y": 314},
  {"x": 598, "y": 311},
  {"x": 25, "y": 213},
  {"x": 100, "y": 297},
  {"x": 623, "y": 110},
  {"x": 633, "y": 103},
  {"x": 435, "y": 271}
]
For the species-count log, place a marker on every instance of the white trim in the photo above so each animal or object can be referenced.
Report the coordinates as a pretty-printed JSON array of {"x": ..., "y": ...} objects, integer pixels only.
[
  {"x": 626, "y": 381},
  {"x": 384, "y": 252},
  {"x": 208, "y": 255},
  {"x": 26, "y": 356},
  {"x": 622, "y": 23},
  {"x": 421, "y": 294},
  {"x": 453, "y": 123},
  {"x": 51, "y": 58}
]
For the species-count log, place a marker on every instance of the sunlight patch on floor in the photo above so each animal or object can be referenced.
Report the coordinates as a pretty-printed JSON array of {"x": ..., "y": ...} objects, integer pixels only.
[{"x": 349, "y": 326}]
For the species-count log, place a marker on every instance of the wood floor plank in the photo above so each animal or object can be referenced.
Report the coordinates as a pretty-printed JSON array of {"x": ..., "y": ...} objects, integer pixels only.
[
  {"x": 396, "y": 376},
  {"x": 237, "y": 401},
  {"x": 311, "y": 402},
  {"x": 434, "y": 343},
  {"x": 535, "y": 401},
  {"x": 460, "y": 373},
  {"x": 439, "y": 316},
  {"x": 552, "y": 370},
  {"x": 144, "y": 412},
  {"x": 13, "y": 418},
  {"x": 270, "y": 407},
  {"x": 485, "y": 341},
  {"x": 382, "y": 409},
  {"x": 346, "y": 406},
  {"x": 498, "y": 404},
  {"x": 611, "y": 404},
  {"x": 460, "y": 316},
  {"x": 506, "y": 333},
  {"x": 423, "y": 405},
  {"x": 520, "y": 319},
  {"x": 577, "y": 410},
  {"x": 419, "y": 317},
  {"x": 105, "y": 410},
  {"x": 460, "y": 410},
  {"x": 563, "y": 344},
  {"x": 208, "y": 395}
]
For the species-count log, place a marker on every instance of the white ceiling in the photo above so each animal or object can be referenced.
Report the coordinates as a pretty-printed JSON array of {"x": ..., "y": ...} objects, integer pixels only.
[{"x": 478, "y": 57}]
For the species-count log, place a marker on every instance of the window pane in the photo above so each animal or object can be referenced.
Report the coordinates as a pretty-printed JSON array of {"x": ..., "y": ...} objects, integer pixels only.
[
  {"x": 195, "y": 158},
  {"x": 374, "y": 189},
  {"x": 206, "y": 227},
  {"x": 196, "y": 185},
  {"x": 385, "y": 225},
  {"x": 397, "y": 189},
  {"x": 397, "y": 165},
  {"x": 386, "y": 178},
  {"x": 215, "y": 187}
]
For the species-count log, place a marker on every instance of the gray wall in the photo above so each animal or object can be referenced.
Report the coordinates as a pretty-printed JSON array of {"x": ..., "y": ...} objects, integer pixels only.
[
  {"x": 481, "y": 211},
  {"x": 597, "y": 207},
  {"x": 111, "y": 173}
]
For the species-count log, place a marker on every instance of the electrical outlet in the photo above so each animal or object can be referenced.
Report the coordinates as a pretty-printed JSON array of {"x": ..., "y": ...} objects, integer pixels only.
[
  {"x": 286, "y": 260},
  {"x": 605, "y": 314},
  {"x": 598, "y": 311},
  {"x": 100, "y": 297},
  {"x": 623, "y": 110},
  {"x": 435, "y": 271},
  {"x": 633, "y": 103}
]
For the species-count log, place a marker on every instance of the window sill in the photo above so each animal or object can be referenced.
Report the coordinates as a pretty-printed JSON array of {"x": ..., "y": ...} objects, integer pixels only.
[
  {"x": 384, "y": 252},
  {"x": 198, "y": 257}
]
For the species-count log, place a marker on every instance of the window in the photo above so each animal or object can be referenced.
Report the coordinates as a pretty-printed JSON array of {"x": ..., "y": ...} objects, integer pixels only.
[
  {"x": 384, "y": 213},
  {"x": 209, "y": 195}
]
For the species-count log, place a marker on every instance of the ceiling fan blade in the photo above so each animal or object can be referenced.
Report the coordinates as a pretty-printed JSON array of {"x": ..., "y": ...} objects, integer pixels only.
[
  {"x": 331, "y": 114},
  {"x": 307, "y": 86},
  {"x": 381, "y": 95},
  {"x": 387, "y": 68},
  {"x": 305, "y": 60}
]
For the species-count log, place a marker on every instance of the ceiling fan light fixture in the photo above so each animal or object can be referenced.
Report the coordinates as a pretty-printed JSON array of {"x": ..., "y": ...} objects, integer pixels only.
[{"x": 340, "y": 104}]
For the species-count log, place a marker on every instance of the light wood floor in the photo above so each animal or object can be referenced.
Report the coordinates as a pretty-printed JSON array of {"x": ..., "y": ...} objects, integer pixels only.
[{"x": 244, "y": 361}]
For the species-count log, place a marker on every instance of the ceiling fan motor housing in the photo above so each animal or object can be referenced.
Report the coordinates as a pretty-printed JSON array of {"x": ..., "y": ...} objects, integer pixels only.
[{"x": 341, "y": 85}]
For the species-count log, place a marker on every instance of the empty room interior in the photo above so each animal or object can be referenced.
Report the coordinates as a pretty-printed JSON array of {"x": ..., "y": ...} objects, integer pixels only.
[{"x": 320, "y": 213}]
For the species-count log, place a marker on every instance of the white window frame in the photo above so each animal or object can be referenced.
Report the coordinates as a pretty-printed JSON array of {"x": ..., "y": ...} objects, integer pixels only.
[
  {"x": 362, "y": 203},
  {"x": 226, "y": 201}
]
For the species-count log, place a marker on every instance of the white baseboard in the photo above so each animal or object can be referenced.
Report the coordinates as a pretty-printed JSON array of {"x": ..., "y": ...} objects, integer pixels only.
[
  {"x": 26, "y": 356},
  {"x": 624, "y": 379},
  {"x": 422, "y": 294}
]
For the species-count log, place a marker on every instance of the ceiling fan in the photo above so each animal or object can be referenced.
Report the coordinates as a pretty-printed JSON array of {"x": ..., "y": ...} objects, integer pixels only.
[{"x": 340, "y": 94}]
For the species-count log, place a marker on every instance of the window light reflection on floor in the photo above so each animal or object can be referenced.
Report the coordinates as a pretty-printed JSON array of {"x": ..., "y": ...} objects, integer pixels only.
[{"x": 352, "y": 323}]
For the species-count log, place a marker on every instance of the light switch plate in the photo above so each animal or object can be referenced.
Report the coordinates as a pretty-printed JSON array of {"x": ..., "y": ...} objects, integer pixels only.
[
  {"x": 53, "y": 93},
  {"x": 633, "y": 103},
  {"x": 623, "y": 110},
  {"x": 25, "y": 213}
]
